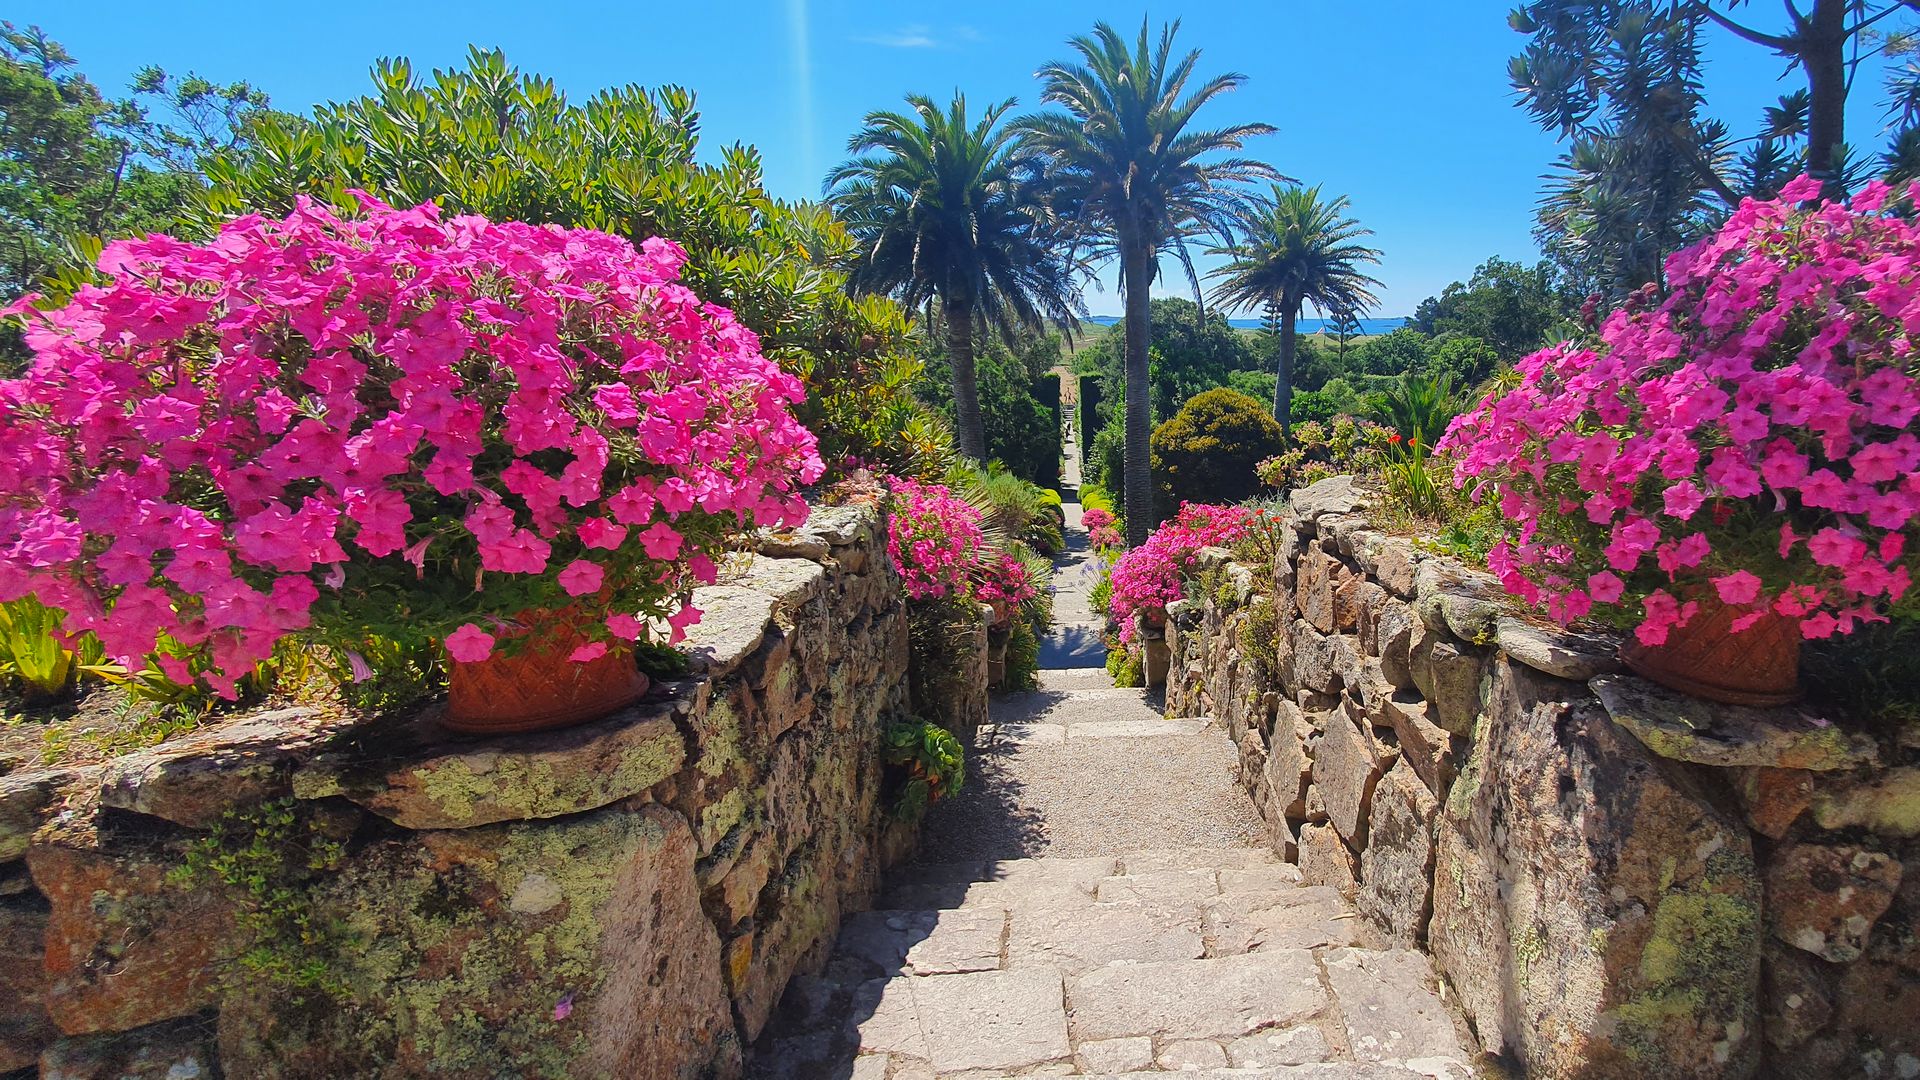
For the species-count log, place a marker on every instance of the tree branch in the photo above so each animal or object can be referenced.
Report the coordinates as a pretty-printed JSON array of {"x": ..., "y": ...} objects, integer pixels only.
[{"x": 1785, "y": 45}]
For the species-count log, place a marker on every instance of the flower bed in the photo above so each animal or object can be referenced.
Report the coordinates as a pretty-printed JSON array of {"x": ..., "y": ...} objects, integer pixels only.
[
  {"x": 1149, "y": 577},
  {"x": 1747, "y": 439},
  {"x": 397, "y": 426}
]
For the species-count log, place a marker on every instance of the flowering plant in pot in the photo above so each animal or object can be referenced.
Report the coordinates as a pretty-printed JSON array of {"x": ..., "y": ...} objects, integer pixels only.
[
  {"x": 1149, "y": 577},
  {"x": 1731, "y": 467},
  {"x": 521, "y": 441}
]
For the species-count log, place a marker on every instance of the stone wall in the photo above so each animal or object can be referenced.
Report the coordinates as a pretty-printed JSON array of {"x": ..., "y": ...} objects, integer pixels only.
[
  {"x": 1616, "y": 881},
  {"x": 625, "y": 899}
]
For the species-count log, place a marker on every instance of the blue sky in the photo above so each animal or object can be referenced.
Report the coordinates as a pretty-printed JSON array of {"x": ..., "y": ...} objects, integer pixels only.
[{"x": 1403, "y": 105}]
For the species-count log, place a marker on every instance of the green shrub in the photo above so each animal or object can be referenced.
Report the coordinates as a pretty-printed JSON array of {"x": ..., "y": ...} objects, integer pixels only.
[
  {"x": 1207, "y": 452},
  {"x": 491, "y": 139},
  {"x": 1125, "y": 668},
  {"x": 934, "y": 762},
  {"x": 1023, "y": 658}
]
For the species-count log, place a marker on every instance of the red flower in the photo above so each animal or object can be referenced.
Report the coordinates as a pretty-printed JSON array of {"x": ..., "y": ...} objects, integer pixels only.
[{"x": 1394, "y": 439}]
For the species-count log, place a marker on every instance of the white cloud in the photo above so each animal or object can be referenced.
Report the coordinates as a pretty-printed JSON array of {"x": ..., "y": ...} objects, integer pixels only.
[{"x": 921, "y": 36}]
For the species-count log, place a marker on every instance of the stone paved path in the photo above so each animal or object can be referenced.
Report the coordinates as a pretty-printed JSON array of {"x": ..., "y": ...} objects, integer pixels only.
[
  {"x": 1095, "y": 903},
  {"x": 1074, "y": 640}
]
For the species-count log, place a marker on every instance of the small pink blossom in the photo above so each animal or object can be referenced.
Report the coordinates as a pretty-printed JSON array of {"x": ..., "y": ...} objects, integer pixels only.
[{"x": 469, "y": 644}]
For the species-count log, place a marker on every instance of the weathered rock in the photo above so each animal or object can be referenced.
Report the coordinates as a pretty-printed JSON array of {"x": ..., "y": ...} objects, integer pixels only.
[
  {"x": 1389, "y": 1008},
  {"x": 1315, "y": 590},
  {"x": 624, "y": 964},
  {"x": 923, "y": 942},
  {"x": 733, "y": 623},
  {"x": 1467, "y": 603},
  {"x": 1796, "y": 997},
  {"x": 1565, "y": 653},
  {"x": 1391, "y": 560},
  {"x": 1391, "y": 641},
  {"x": 1350, "y": 598},
  {"x": 1325, "y": 860},
  {"x": 1197, "y": 999},
  {"x": 1689, "y": 729},
  {"x": 173, "y": 1050},
  {"x": 1300, "y": 1045},
  {"x": 124, "y": 946},
  {"x": 1874, "y": 1009},
  {"x": 1774, "y": 798},
  {"x": 446, "y": 784},
  {"x": 1397, "y": 865},
  {"x": 1334, "y": 495},
  {"x": 1448, "y": 675},
  {"x": 29, "y": 797},
  {"x": 1825, "y": 898},
  {"x": 1887, "y": 803},
  {"x": 1346, "y": 766},
  {"x": 1115, "y": 1055},
  {"x": 1293, "y": 917},
  {"x": 1072, "y": 940},
  {"x": 194, "y": 779},
  {"x": 1424, "y": 745},
  {"x": 1595, "y": 915},
  {"x": 25, "y": 1028},
  {"x": 1191, "y": 1055},
  {"x": 992, "y": 1020},
  {"x": 1289, "y": 769},
  {"x": 1313, "y": 659}
]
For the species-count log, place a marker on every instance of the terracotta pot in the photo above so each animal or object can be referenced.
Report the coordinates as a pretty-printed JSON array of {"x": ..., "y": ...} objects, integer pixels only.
[
  {"x": 538, "y": 687},
  {"x": 1706, "y": 659}
]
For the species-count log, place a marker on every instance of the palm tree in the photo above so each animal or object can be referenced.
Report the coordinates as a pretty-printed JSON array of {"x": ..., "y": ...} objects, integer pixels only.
[
  {"x": 941, "y": 210},
  {"x": 1127, "y": 179},
  {"x": 1294, "y": 249}
]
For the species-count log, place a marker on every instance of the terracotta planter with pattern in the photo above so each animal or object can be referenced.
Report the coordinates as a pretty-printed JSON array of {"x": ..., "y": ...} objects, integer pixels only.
[
  {"x": 539, "y": 687},
  {"x": 1758, "y": 666}
]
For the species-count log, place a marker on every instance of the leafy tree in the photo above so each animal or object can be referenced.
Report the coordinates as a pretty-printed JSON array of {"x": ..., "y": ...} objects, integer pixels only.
[
  {"x": 1207, "y": 451},
  {"x": 1019, "y": 429},
  {"x": 1465, "y": 359},
  {"x": 1191, "y": 349},
  {"x": 939, "y": 209},
  {"x": 489, "y": 139},
  {"x": 1401, "y": 351},
  {"x": 1125, "y": 165},
  {"x": 1623, "y": 82},
  {"x": 1507, "y": 305},
  {"x": 77, "y": 165},
  {"x": 1293, "y": 250}
]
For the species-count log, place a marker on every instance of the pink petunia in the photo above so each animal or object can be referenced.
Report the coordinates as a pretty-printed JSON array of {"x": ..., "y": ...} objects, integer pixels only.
[{"x": 469, "y": 644}]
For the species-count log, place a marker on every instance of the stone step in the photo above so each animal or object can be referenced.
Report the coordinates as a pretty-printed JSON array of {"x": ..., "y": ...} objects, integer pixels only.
[{"x": 1373, "y": 1014}]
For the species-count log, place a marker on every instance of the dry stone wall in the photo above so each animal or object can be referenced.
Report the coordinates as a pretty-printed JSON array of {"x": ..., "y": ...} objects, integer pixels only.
[
  {"x": 1616, "y": 881},
  {"x": 626, "y": 899}
]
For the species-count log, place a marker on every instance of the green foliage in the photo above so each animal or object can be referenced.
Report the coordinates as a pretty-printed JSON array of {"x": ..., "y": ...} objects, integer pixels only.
[
  {"x": 1023, "y": 658},
  {"x": 77, "y": 165},
  {"x": 1260, "y": 635},
  {"x": 934, "y": 762},
  {"x": 267, "y": 857},
  {"x": 1402, "y": 351},
  {"x": 1321, "y": 406},
  {"x": 490, "y": 139},
  {"x": 941, "y": 210},
  {"x": 1419, "y": 408},
  {"x": 1208, "y": 451},
  {"x": 1508, "y": 306},
  {"x": 39, "y": 662},
  {"x": 1125, "y": 668},
  {"x": 1871, "y": 676},
  {"x": 1021, "y": 432}
]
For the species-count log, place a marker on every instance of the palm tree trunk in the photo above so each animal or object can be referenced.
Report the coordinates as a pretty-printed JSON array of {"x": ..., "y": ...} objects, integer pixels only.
[
  {"x": 1137, "y": 489},
  {"x": 969, "y": 430},
  {"x": 1824, "y": 55},
  {"x": 1283, "y": 383}
]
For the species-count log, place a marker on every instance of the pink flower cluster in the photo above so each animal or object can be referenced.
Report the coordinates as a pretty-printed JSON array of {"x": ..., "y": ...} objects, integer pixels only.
[
  {"x": 1750, "y": 438},
  {"x": 1103, "y": 530},
  {"x": 936, "y": 541},
  {"x": 1005, "y": 581},
  {"x": 316, "y": 424},
  {"x": 1149, "y": 577}
]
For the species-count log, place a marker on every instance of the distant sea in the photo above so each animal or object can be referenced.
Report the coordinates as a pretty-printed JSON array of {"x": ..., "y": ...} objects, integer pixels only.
[{"x": 1306, "y": 326}]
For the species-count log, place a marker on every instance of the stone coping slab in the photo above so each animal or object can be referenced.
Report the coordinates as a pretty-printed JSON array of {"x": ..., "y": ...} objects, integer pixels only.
[
  {"x": 415, "y": 775},
  {"x": 1705, "y": 733}
]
